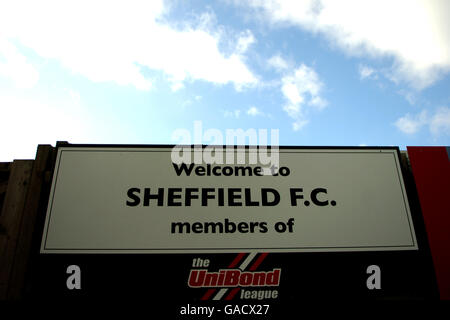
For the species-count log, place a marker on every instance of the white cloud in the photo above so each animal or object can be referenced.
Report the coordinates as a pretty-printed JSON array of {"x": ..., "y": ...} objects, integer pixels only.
[
  {"x": 16, "y": 67},
  {"x": 302, "y": 87},
  {"x": 74, "y": 95},
  {"x": 416, "y": 33},
  {"x": 318, "y": 102},
  {"x": 410, "y": 96},
  {"x": 33, "y": 121},
  {"x": 253, "y": 111},
  {"x": 278, "y": 63},
  {"x": 299, "y": 124},
  {"x": 438, "y": 123},
  {"x": 244, "y": 41},
  {"x": 114, "y": 40},
  {"x": 304, "y": 83},
  {"x": 177, "y": 85},
  {"x": 411, "y": 124},
  {"x": 366, "y": 72},
  {"x": 291, "y": 92}
]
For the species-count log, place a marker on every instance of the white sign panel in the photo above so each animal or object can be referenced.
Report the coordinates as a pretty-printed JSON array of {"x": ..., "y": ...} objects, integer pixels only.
[{"x": 135, "y": 200}]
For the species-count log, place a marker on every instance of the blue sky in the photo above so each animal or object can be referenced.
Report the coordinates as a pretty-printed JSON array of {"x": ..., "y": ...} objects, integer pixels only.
[{"x": 324, "y": 72}]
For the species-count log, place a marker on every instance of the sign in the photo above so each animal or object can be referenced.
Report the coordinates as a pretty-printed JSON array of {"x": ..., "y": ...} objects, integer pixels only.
[
  {"x": 137, "y": 200},
  {"x": 235, "y": 237}
]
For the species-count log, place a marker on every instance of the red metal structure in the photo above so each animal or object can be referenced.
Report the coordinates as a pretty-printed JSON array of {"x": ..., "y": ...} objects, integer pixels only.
[{"x": 431, "y": 170}]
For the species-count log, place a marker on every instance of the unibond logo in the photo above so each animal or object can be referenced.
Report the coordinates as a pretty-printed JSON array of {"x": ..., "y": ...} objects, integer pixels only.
[{"x": 200, "y": 278}]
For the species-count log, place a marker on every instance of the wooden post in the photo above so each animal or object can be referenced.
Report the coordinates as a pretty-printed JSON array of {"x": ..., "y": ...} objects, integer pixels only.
[
  {"x": 34, "y": 202},
  {"x": 22, "y": 203},
  {"x": 11, "y": 219}
]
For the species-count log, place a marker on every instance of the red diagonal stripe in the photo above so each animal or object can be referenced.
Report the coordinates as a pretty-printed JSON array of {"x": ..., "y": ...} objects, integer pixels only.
[
  {"x": 258, "y": 261},
  {"x": 254, "y": 266},
  {"x": 208, "y": 294},
  {"x": 236, "y": 260},
  {"x": 233, "y": 292}
]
